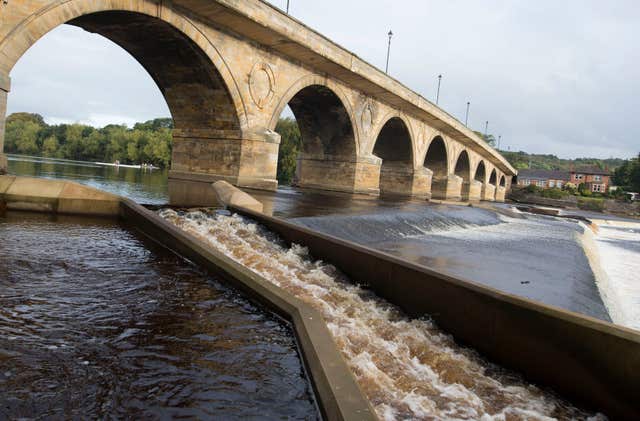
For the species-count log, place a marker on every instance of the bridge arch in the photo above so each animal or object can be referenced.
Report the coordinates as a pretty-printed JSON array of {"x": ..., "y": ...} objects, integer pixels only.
[
  {"x": 463, "y": 166},
  {"x": 502, "y": 181},
  {"x": 329, "y": 146},
  {"x": 481, "y": 173},
  {"x": 436, "y": 160},
  {"x": 493, "y": 178},
  {"x": 394, "y": 145},
  {"x": 197, "y": 85}
]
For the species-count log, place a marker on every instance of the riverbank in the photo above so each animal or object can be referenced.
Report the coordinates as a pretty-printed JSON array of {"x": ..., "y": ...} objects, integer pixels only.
[{"x": 601, "y": 205}]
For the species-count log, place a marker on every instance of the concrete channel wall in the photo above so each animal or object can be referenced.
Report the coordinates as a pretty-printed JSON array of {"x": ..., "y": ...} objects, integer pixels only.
[{"x": 595, "y": 363}]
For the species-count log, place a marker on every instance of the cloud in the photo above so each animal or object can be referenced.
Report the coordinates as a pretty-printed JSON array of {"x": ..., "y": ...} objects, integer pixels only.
[{"x": 550, "y": 77}]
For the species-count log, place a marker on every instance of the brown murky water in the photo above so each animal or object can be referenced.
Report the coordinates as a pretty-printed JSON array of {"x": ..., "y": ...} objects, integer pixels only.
[
  {"x": 95, "y": 322},
  {"x": 409, "y": 369}
]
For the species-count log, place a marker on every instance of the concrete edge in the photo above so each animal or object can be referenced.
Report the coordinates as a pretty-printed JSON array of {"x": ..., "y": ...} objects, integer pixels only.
[
  {"x": 337, "y": 392},
  {"x": 56, "y": 196},
  {"x": 588, "y": 360}
]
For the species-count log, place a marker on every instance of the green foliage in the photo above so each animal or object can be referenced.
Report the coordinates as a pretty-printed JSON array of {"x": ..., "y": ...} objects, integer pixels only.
[
  {"x": 591, "y": 204},
  {"x": 290, "y": 145},
  {"x": 521, "y": 160},
  {"x": 489, "y": 138},
  {"x": 554, "y": 193},
  {"x": 628, "y": 174},
  {"x": 532, "y": 189},
  {"x": 148, "y": 142}
]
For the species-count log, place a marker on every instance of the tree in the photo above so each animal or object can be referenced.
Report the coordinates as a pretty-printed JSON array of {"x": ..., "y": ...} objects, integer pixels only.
[
  {"x": 489, "y": 138},
  {"x": 290, "y": 145},
  {"x": 50, "y": 147}
]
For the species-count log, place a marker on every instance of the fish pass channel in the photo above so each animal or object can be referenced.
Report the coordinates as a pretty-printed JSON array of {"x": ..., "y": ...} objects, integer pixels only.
[
  {"x": 408, "y": 369},
  {"x": 97, "y": 322}
]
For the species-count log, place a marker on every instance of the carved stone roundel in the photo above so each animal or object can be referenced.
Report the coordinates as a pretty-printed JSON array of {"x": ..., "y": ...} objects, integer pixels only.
[{"x": 261, "y": 84}]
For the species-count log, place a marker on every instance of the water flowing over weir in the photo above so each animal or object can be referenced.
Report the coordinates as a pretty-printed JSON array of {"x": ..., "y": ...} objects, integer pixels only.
[
  {"x": 541, "y": 258},
  {"x": 409, "y": 369}
]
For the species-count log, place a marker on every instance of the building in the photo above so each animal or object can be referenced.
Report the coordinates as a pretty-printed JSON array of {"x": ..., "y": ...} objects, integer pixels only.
[
  {"x": 596, "y": 179},
  {"x": 543, "y": 178}
]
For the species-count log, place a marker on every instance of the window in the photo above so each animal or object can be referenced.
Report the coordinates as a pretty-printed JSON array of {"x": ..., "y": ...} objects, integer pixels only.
[
  {"x": 579, "y": 176},
  {"x": 526, "y": 182},
  {"x": 559, "y": 184},
  {"x": 552, "y": 183},
  {"x": 597, "y": 178},
  {"x": 597, "y": 188}
]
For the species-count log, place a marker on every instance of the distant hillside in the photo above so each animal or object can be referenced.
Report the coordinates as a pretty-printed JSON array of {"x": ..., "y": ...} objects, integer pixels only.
[{"x": 521, "y": 160}]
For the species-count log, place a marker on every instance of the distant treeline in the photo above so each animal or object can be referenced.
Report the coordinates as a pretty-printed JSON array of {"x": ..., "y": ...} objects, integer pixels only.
[
  {"x": 521, "y": 160},
  {"x": 627, "y": 175},
  {"x": 148, "y": 142}
]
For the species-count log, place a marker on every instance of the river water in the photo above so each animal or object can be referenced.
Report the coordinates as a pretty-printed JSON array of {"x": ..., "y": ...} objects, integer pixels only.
[
  {"x": 97, "y": 323},
  {"x": 409, "y": 368}
]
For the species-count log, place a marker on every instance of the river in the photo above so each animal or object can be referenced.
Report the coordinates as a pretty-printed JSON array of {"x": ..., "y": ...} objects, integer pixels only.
[{"x": 409, "y": 368}]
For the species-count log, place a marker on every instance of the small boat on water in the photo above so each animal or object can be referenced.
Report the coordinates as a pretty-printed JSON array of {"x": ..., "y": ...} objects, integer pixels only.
[{"x": 117, "y": 164}]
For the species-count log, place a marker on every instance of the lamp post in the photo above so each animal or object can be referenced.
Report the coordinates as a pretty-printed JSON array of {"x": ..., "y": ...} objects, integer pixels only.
[
  {"x": 466, "y": 117},
  {"x": 499, "y": 139},
  {"x": 386, "y": 69},
  {"x": 287, "y": 7},
  {"x": 438, "y": 92},
  {"x": 486, "y": 128}
]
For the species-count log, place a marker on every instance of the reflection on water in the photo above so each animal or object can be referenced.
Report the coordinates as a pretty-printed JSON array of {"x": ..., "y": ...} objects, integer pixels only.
[
  {"x": 409, "y": 369},
  {"x": 143, "y": 186},
  {"x": 94, "y": 323}
]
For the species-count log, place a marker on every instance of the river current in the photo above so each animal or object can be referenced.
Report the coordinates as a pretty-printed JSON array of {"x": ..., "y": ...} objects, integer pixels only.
[
  {"x": 97, "y": 323},
  {"x": 409, "y": 369}
]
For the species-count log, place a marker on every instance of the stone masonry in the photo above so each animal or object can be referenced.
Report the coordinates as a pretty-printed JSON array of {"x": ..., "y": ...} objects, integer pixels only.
[{"x": 228, "y": 68}]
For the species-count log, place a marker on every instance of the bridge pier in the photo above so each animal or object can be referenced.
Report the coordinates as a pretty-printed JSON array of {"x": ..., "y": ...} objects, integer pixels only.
[
  {"x": 338, "y": 174},
  {"x": 500, "y": 193},
  {"x": 471, "y": 191},
  {"x": 447, "y": 188},
  {"x": 5, "y": 83},
  {"x": 401, "y": 179},
  {"x": 489, "y": 192},
  {"x": 243, "y": 158}
]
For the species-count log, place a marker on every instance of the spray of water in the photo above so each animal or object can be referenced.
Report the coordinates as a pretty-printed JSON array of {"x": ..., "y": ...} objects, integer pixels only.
[{"x": 409, "y": 369}]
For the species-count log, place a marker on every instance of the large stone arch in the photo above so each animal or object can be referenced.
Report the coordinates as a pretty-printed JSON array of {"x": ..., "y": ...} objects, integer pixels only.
[
  {"x": 329, "y": 156},
  {"x": 212, "y": 140},
  {"x": 480, "y": 175},
  {"x": 395, "y": 146},
  {"x": 315, "y": 80},
  {"x": 437, "y": 160},
  {"x": 470, "y": 189},
  {"x": 88, "y": 15}
]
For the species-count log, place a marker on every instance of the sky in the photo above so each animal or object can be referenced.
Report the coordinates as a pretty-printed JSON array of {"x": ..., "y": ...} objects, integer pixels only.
[{"x": 556, "y": 77}]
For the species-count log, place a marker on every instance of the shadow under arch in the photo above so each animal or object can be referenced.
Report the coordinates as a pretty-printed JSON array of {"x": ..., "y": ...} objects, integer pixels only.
[
  {"x": 328, "y": 156},
  {"x": 481, "y": 176},
  {"x": 394, "y": 146},
  {"x": 468, "y": 188},
  {"x": 502, "y": 181},
  {"x": 201, "y": 94},
  {"x": 436, "y": 159}
]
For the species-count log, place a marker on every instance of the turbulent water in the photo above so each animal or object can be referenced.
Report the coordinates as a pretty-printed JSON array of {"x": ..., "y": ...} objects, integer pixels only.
[
  {"x": 541, "y": 258},
  {"x": 409, "y": 369},
  {"x": 615, "y": 254},
  {"x": 97, "y": 324}
]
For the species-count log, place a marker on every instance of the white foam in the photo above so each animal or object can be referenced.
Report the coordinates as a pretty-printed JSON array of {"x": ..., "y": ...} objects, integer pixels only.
[{"x": 409, "y": 369}]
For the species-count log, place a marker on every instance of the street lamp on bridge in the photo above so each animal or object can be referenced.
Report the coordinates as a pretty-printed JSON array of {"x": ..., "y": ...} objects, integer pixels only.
[
  {"x": 466, "y": 117},
  {"x": 486, "y": 129},
  {"x": 287, "y": 7},
  {"x": 438, "y": 92},
  {"x": 386, "y": 69}
]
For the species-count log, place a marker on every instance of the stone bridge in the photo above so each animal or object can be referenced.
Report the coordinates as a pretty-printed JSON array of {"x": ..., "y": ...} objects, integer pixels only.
[{"x": 228, "y": 68}]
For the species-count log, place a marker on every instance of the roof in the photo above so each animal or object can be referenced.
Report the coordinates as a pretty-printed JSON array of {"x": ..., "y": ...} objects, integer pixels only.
[
  {"x": 591, "y": 170},
  {"x": 544, "y": 175}
]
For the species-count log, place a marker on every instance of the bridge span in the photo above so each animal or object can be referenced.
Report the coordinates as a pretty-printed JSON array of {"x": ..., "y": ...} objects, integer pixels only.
[{"x": 228, "y": 68}]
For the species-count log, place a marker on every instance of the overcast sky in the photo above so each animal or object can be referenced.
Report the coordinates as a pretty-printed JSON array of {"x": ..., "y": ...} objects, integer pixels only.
[{"x": 551, "y": 76}]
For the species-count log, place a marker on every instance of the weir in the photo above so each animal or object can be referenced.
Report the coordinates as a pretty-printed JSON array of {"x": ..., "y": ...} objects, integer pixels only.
[{"x": 592, "y": 362}]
